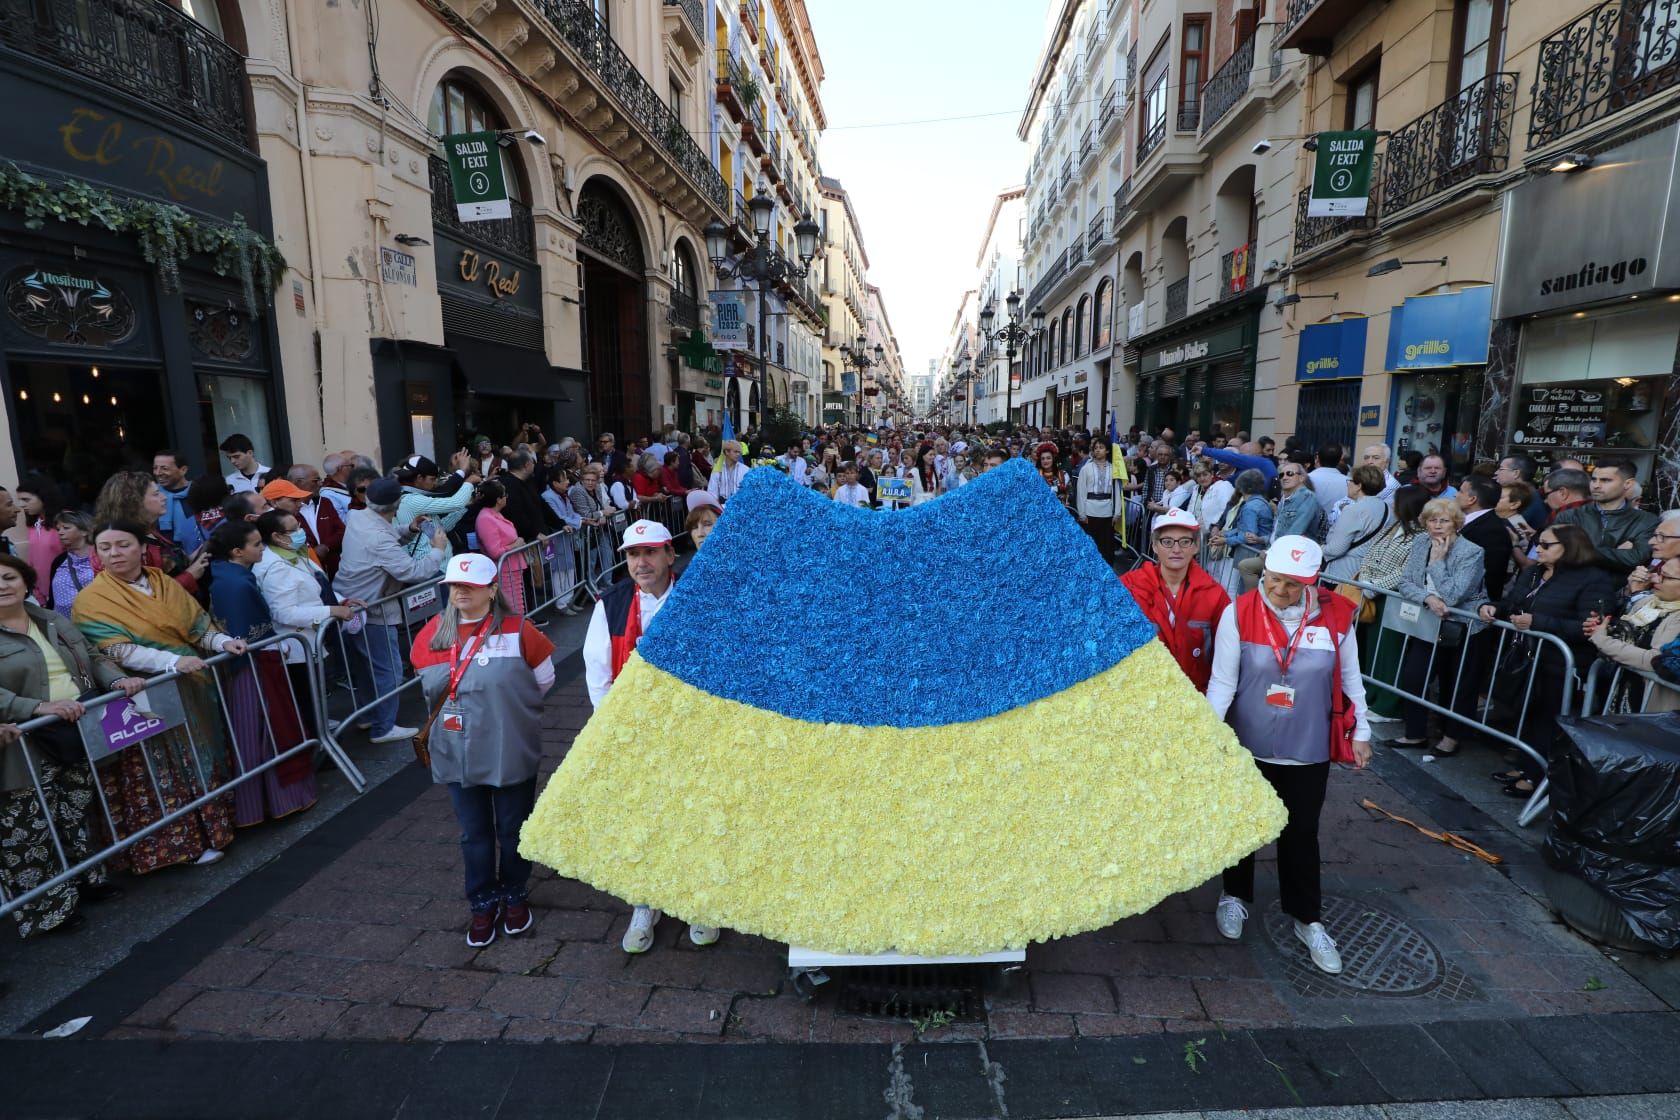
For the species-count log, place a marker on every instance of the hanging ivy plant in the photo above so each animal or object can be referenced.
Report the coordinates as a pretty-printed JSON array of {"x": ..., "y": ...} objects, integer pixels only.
[{"x": 168, "y": 235}]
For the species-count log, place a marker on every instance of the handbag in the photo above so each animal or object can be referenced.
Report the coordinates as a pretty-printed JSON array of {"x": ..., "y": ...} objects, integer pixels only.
[
  {"x": 1343, "y": 719},
  {"x": 1227, "y": 522},
  {"x": 1365, "y": 606}
]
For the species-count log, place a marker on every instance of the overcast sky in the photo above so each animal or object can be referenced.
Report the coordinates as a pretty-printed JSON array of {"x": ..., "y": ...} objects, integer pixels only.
[{"x": 923, "y": 192}]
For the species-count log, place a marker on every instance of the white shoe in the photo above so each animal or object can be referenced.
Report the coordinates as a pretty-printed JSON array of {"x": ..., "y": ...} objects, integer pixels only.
[
  {"x": 1229, "y": 917},
  {"x": 397, "y": 734},
  {"x": 639, "y": 937},
  {"x": 211, "y": 855},
  {"x": 703, "y": 935},
  {"x": 1321, "y": 946}
]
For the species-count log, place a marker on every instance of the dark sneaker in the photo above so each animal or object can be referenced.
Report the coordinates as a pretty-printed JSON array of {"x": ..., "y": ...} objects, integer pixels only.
[
  {"x": 516, "y": 919},
  {"x": 483, "y": 928}
]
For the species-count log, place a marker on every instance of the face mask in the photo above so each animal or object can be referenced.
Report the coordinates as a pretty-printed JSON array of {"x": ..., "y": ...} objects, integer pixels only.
[{"x": 299, "y": 540}]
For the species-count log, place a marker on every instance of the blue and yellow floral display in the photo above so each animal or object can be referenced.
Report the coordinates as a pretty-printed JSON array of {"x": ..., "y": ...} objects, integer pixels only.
[{"x": 941, "y": 730}]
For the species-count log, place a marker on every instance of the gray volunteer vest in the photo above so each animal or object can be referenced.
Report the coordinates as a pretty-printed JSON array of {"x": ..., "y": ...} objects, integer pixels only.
[
  {"x": 1298, "y": 734},
  {"x": 502, "y": 705}
]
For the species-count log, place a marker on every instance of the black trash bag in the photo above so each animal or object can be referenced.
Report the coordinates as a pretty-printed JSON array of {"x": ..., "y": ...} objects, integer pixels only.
[{"x": 1615, "y": 792}]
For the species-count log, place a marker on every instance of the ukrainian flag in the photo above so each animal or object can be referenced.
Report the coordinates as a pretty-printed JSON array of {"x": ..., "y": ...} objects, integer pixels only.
[{"x": 944, "y": 730}]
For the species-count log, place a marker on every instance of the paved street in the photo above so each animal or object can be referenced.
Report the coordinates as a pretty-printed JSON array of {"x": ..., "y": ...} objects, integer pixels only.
[{"x": 1459, "y": 985}]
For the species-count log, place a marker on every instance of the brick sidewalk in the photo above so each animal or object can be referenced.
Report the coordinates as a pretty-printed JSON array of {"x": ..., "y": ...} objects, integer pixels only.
[{"x": 371, "y": 947}]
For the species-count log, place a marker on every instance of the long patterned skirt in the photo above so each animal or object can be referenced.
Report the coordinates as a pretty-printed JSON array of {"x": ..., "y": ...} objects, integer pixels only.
[
  {"x": 187, "y": 762},
  {"x": 260, "y": 733},
  {"x": 28, "y": 856}
]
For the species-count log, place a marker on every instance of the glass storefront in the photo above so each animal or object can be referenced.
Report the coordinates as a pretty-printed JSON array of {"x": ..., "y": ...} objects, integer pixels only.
[
  {"x": 1435, "y": 413},
  {"x": 81, "y": 423}
]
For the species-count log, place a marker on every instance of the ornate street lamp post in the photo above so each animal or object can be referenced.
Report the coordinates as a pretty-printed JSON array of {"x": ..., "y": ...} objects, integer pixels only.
[
  {"x": 858, "y": 358},
  {"x": 765, "y": 265},
  {"x": 1014, "y": 335}
]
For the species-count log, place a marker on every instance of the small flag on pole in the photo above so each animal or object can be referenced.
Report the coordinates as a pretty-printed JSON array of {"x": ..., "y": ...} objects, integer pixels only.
[{"x": 1116, "y": 455}]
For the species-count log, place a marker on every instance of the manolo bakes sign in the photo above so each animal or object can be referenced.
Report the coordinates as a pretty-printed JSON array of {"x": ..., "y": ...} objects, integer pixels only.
[{"x": 1199, "y": 348}]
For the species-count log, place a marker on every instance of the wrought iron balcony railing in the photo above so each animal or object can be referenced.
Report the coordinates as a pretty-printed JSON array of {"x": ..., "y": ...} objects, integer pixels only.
[
  {"x": 1076, "y": 251},
  {"x": 1465, "y": 136},
  {"x": 1088, "y": 143},
  {"x": 1178, "y": 299},
  {"x": 684, "y": 312},
  {"x": 1189, "y": 112},
  {"x": 1097, "y": 230},
  {"x": 150, "y": 50},
  {"x": 1236, "y": 271},
  {"x": 1311, "y": 233},
  {"x": 586, "y": 34},
  {"x": 1053, "y": 272},
  {"x": 1122, "y": 194},
  {"x": 693, "y": 10},
  {"x": 1152, "y": 138},
  {"x": 1228, "y": 84},
  {"x": 1618, "y": 54},
  {"x": 1110, "y": 107},
  {"x": 511, "y": 236}
]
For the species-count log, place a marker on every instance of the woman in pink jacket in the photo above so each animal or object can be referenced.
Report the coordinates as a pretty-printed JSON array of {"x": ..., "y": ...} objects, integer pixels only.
[{"x": 497, "y": 537}]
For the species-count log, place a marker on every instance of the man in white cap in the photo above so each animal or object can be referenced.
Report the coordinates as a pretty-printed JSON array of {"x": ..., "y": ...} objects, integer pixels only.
[
  {"x": 1285, "y": 677},
  {"x": 1179, "y": 596},
  {"x": 620, "y": 619}
]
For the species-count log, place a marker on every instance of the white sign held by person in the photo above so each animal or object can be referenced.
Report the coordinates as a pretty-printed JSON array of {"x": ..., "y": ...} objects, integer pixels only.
[{"x": 729, "y": 321}]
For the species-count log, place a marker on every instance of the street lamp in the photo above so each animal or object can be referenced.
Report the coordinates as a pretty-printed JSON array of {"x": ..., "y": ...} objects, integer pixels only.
[
  {"x": 765, "y": 265},
  {"x": 1014, "y": 335},
  {"x": 858, "y": 357}
]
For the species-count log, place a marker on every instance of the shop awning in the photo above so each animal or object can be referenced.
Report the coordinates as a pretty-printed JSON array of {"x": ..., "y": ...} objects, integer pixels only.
[
  {"x": 1329, "y": 351},
  {"x": 1429, "y": 332},
  {"x": 494, "y": 369}
]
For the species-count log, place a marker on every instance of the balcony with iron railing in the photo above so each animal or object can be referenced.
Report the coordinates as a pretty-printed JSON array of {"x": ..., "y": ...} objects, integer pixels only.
[
  {"x": 1152, "y": 138},
  {"x": 1088, "y": 143},
  {"x": 1310, "y": 26},
  {"x": 695, "y": 13},
  {"x": 1093, "y": 37},
  {"x": 730, "y": 81},
  {"x": 1108, "y": 111},
  {"x": 1189, "y": 113},
  {"x": 510, "y": 236},
  {"x": 1178, "y": 299},
  {"x": 1076, "y": 251},
  {"x": 150, "y": 51},
  {"x": 586, "y": 34},
  {"x": 684, "y": 313},
  {"x": 1097, "y": 231},
  {"x": 752, "y": 17},
  {"x": 1236, "y": 271},
  {"x": 753, "y": 130},
  {"x": 1229, "y": 84},
  {"x": 1619, "y": 54},
  {"x": 1463, "y": 137},
  {"x": 1316, "y": 233},
  {"x": 1052, "y": 274}
]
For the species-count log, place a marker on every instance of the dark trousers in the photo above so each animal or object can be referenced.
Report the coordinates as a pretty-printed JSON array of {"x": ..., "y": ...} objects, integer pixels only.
[
  {"x": 1539, "y": 725},
  {"x": 1301, "y": 789},
  {"x": 1415, "y": 671},
  {"x": 1101, "y": 530},
  {"x": 490, "y": 817}
]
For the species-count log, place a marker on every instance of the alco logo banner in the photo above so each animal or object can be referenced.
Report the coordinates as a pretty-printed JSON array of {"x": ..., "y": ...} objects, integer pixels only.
[
  {"x": 729, "y": 321},
  {"x": 1341, "y": 186},
  {"x": 475, "y": 175}
]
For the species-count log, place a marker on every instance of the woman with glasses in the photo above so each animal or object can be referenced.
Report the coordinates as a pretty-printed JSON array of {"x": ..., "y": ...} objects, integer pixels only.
[
  {"x": 1665, "y": 546},
  {"x": 1179, "y": 596},
  {"x": 1638, "y": 636},
  {"x": 1442, "y": 571},
  {"x": 1554, "y": 596}
]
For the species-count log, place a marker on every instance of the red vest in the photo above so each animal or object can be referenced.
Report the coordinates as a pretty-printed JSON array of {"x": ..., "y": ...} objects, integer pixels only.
[{"x": 624, "y": 621}]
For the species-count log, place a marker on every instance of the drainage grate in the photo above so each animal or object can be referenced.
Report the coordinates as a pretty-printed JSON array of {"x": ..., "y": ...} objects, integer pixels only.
[
  {"x": 1382, "y": 955},
  {"x": 912, "y": 991}
]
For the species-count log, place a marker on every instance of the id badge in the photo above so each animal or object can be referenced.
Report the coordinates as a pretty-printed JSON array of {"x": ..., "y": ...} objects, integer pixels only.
[
  {"x": 1280, "y": 696},
  {"x": 453, "y": 719}
]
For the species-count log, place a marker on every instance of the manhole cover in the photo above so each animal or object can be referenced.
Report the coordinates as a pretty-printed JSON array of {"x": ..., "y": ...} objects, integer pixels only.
[
  {"x": 953, "y": 992},
  {"x": 1382, "y": 955}
]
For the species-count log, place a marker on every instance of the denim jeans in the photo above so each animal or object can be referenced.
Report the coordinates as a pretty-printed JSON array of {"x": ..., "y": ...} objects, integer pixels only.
[
  {"x": 492, "y": 816},
  {"x": 382, "y": 646}
]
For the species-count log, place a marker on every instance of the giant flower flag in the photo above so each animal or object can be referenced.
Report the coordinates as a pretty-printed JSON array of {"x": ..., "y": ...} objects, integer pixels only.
[{"x": 944, "y": 730}]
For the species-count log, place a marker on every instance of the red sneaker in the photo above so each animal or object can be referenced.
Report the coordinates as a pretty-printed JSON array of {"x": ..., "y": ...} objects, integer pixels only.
[
  {"x": 516, "y": 919},
  {"x": 483, "y": 928}
]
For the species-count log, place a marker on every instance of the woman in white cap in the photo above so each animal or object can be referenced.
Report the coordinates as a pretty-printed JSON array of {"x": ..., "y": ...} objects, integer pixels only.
[
  {"x": 703, "y": 512},
  {"x": 1179, "y": 596},
  {"x": 1285, "y": 674},
  {"x": 485, "y": 671}
]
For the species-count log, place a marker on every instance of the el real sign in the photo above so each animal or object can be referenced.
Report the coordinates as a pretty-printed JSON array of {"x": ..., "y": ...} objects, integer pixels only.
[
  {"x": 475, "y": 175},
  {"x": 1341, "y": 186}
]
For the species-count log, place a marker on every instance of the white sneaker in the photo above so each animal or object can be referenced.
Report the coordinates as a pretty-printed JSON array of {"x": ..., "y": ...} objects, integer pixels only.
[
  {"x": 397, "y": 734},
  {"x": 703, "y": 935},
  {"x": 211, "y": 855},
  {"x": 639, "y": 937},
  {"x": 1229, "y": 917},
  {"x": 1321, "y": 946}
]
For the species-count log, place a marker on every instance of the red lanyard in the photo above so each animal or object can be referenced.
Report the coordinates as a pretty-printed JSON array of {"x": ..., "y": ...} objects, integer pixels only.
[
  {"x": 1284, "y": 655},
  {"x": 458, "y": 669},
  {"x": 1168, "y": 597}
]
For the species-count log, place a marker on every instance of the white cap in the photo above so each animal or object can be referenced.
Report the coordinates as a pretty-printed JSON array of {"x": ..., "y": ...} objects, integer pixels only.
[
  {"x": 1298, "y": 558},
  {"x": 645, "y": 534},
  {"x": 959, "y": 447},
  {"x": 1175, "y": 519},
  {"x": 703, "y": 499},
  {"x": 470, "y": 567}
]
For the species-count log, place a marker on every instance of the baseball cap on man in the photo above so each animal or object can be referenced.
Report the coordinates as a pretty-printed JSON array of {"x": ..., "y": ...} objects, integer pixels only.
[
  {"x": 645, "y": 534},
  {"x": 471, "y": 568},
  {"x": 1175, "y": 519},
  {"x": 280, "y": 488},
  {"x": 1299, "y": 558}
]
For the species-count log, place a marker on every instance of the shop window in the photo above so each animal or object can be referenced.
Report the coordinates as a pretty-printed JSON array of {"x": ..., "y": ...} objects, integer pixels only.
[
  {"x": 230, "y": 404},
  {"x": 458, "y": 106},
  {"x": 1361, "y": 97},
  {"x": 79, "y": 424}
]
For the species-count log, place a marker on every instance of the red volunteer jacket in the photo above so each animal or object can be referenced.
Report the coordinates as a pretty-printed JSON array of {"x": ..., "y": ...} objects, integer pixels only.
[{"x": 1186, "y": 625}]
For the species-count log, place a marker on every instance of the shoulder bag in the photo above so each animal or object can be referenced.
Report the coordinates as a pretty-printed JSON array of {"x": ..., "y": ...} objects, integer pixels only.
[{"x": 1367, "y": 605}]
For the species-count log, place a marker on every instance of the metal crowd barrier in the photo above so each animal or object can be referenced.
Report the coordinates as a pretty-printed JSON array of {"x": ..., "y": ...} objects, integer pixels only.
[
  {"x": 1613, "y": 698},
  {"x": 1476, "y": 715},
  {"x": 113, "y": 725}
]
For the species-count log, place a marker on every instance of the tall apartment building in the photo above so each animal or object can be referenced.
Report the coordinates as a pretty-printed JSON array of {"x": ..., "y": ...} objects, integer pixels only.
[
  {"x": 952, "y": 389},
  {"x": 844, "y": 268},
  {"x": 999, "y": 272},
  {"x": 1512, "y": 286},
  {"x": 768, "y": 116},
  {"x": 1158, "y": 214},
  {"x": 887, "y": 379}
]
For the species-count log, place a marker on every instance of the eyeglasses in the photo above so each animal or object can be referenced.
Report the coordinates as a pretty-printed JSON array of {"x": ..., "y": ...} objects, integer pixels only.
[
  {"x": 1543, "y": 543},
  {"x": 1663, "y": 577},
  {"x": 1173, "y": 544},
  {"x": 1290, "y": 474},
  {"x": 1665, "y": 536}
]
